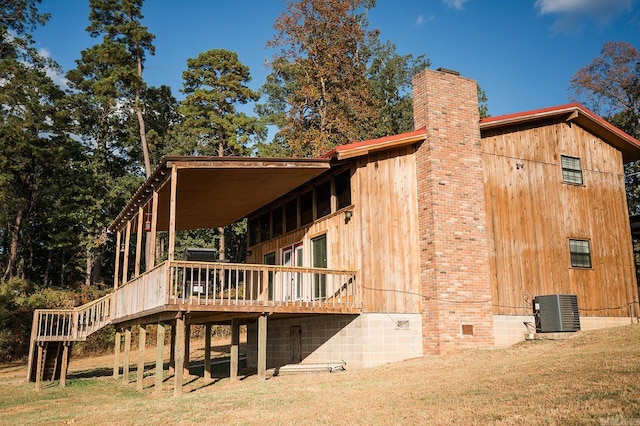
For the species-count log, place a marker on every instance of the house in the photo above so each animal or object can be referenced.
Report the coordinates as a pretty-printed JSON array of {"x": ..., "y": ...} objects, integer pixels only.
[{"x": 426, "y": 242}]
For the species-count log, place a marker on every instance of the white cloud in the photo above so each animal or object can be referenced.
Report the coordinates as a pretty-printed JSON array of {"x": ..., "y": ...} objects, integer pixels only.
[
  {"x": 421, "y": 19},
  {"x": 456, "y": 4},
  {"x": 583, "y": 6},
  {"x": 52, "y": 73},
  {"x": 571, "y": 13}
]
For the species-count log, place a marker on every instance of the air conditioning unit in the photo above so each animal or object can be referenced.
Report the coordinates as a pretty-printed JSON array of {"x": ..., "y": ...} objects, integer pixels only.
[{"x": 556, "y": 313}]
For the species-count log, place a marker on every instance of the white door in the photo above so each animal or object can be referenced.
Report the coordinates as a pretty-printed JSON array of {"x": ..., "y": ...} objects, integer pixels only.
[{"x": 292, "y": 282}]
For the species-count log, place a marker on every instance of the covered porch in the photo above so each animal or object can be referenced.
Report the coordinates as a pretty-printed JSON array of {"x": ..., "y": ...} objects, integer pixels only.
[{"x": 202, "y": 193}]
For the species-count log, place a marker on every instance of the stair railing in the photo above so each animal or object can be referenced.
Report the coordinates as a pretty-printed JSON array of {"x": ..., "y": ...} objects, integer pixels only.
[{"x": 71, "y": 324}]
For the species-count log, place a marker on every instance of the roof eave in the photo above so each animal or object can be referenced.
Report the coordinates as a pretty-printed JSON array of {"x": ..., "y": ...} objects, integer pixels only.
[{"x": 627, "y": 144}]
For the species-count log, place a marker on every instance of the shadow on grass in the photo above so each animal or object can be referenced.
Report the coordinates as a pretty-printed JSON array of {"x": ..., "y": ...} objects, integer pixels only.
[{"x": 219, "y": 370}]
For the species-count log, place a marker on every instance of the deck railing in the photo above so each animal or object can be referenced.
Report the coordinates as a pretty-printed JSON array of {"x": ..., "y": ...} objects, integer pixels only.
[
  {"x": 147, "y": 291},
  {"x": 236, "y": 284},
  {"x": 71, "y": 324},
  {"x": 240, "y": 286}
]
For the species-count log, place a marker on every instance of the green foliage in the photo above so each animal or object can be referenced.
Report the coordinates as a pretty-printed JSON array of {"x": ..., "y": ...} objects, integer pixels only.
[
  {"x": 18, "y": 300},
  {"x": 483, "y": 103},
  {"x": 120, "y": 58},
  {"x": 318, "y": 93},
  {"x": 214, "y": 84},
  {"x": 390, "y": 75},
  {"x": 334, "y": 81}
]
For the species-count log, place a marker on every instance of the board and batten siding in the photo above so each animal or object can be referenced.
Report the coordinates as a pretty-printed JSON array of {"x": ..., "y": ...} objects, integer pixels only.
[
  {"x": 532, "y": 214},
  {"x": 340, "y": 243},
  {"x": 384, "y": 191},
  {"x": 380, "y": 240}
]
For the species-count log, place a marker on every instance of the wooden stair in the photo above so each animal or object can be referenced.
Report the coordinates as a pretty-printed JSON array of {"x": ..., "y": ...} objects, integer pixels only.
[
  {"x": 53, "y": 331},
  {"x": 52, "y": 361}
]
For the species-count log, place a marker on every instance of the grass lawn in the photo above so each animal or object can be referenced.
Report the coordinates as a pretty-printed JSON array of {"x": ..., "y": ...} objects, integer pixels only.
[{"x": 591, "y": 378}]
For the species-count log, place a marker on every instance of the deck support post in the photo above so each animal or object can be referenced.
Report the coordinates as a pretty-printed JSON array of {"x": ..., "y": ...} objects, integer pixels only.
[
  {"x": 172, "y": 213},
  {"x": 151, "y": 259},
  {"x": 179, "y": 351},
  {"x": 235, "y": 342},
  {"x": 142, "y": 340},
  {"x": 116, "y": 273},
  {"x": 125, "y": 361},
  {"x": 187, "y": 348},
  {"x": 125, "y": 262},
  {"x": 172, "y": 350},
  {"x": 65, "y": 364},
  {"x": 39, "y": 366},
  {"x": 262, "y": 347},
  {"x": 116, "y": 355},
  {"x": 207, "y": 351},
  {"x": 159, "y": 357}
]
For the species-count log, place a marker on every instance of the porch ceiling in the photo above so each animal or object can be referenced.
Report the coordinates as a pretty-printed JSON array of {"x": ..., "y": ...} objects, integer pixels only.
[{"x": 217, "y": 191}]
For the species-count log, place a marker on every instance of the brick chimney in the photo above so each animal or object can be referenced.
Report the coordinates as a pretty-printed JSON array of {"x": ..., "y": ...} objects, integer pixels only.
[{"x": 454, "y": 251}]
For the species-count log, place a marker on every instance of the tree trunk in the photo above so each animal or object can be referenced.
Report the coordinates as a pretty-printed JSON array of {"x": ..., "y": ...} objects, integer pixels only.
[
  {"x": 15, "y": 240},
  {"x": 143, "y": 133},
  {"x": 88, "y": 267},
  {"x": 45, "y": 281}
]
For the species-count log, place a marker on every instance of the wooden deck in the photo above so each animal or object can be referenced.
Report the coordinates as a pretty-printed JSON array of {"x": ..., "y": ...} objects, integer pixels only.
[
  {"x": 203, "y": 292},
  {"x": 236, "y": 289},
  {"x": 227, "y": 289}
]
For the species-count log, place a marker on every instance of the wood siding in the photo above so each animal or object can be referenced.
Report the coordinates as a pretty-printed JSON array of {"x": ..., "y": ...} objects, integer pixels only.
[
  {"x": 380, "y": 240},
  {"x": 384, "y": 191},
  {"x": 532, "y": 214}
]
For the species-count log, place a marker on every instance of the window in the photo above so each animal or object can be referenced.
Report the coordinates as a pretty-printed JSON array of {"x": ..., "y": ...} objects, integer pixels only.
[
  {"x": 571, "y": 170},
  {"x": 319, "y": 247},
  {"x": 306, "y": 208},
  {"x": 343, "y": 189},
  {"x": 270, "y": 259},
  {"x": 265, "y": 227},
  {"x": 323, "y": 199},
  {"x": 277, "y": 222},
  {"x": 580, "y": 253},
  {"x": 291, "y": 215},
  {"x": 254, "y": 228}
]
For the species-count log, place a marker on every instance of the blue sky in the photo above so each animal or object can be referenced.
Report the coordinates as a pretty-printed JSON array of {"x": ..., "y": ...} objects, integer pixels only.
[{"x": 522, "y": 52}]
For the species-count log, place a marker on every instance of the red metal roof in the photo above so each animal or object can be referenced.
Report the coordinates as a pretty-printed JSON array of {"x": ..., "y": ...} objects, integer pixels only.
[
  {"x": 355, "y": 149},
  {"x": 576, "y": 112}
]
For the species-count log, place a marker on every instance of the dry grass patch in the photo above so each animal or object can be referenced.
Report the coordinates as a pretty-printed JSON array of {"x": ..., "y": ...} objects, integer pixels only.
[{"x": 588, "y": 379}]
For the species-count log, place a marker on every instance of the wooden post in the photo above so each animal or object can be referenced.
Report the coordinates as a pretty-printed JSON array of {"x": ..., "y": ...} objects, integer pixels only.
[
  {"x": 125, "y": 262},
  {"x": 116, "y": 355},
  {"x": 142, "y": 341},
  {"x": 207, "y": 351},
  {"x": 39, "y": 366},
  {"x": 159, "y": 357},
  {"x": 172, "y": 350},
  {"x": 172, "y": 213},
  {"x": 139, "y": 241},
  {"x": 187, "y": 348},
  {"x": 125, "y": 361},
  {"x": 179, "y": 350},
  {"x": 262, "y": 347},
  {"x": 65, "y": 364},
  {"x": 235, "y": 342},
  {"x": 116, "y": 273},
  {"x": 151, "y": 261},
  {"x": 33, "y": 343}
]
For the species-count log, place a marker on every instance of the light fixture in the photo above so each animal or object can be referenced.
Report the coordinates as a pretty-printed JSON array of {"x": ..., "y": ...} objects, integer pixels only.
[
  {"x": 348, "y": 214},
  {"x": 147, "y": 223},
  {"x": 249, "y": 252},
  {"x": 122, "y": 247}
]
